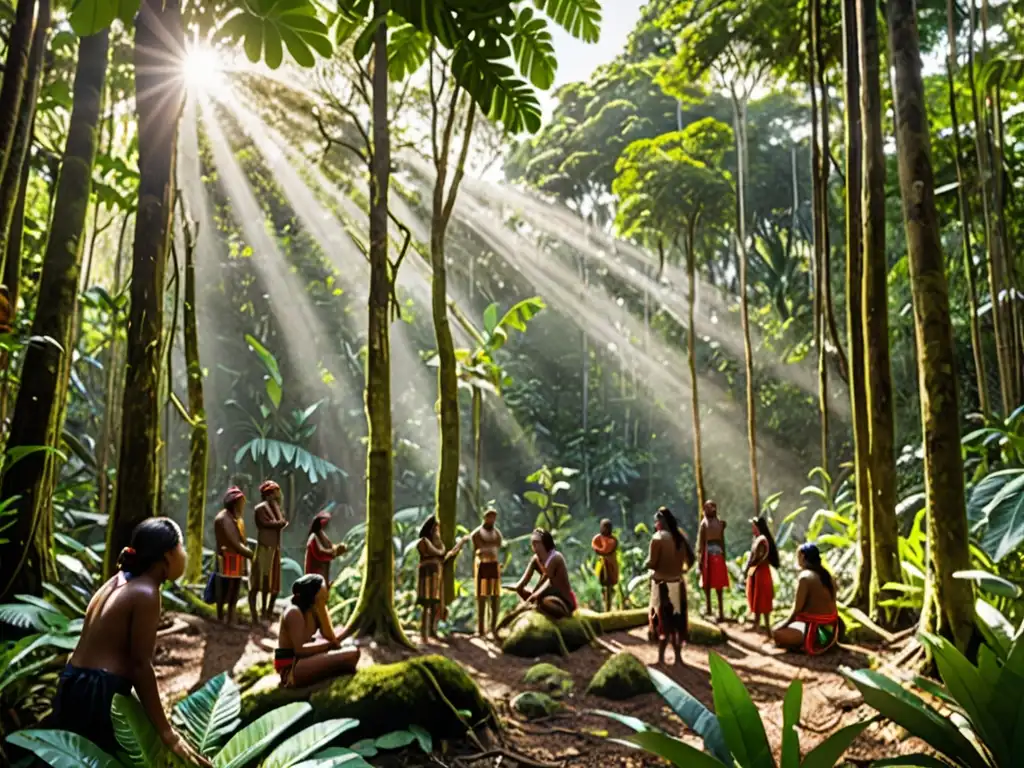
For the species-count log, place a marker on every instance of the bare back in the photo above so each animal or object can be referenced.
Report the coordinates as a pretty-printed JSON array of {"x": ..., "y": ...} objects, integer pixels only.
[
  {"x": 106, "y": 641},
  {"x": 812, "y": 596},
  {"x": 666, "y": 560}
]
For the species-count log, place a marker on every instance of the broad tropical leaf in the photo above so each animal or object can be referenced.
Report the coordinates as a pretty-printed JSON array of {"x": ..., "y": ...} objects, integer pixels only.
[
  {"x": 395, "y": 740},
  {"x": 997, "y": 630},
  {"x": 1003, "y": 519},
  {"x": 62, "y": 749},
  {"x": 209, "y": 715},
  {"x": 698, "y": 717},
  {"x": 580, "y": 18},
  {"x": 828, "y": 753},
  {"x": 253, "y": 740},
  {"x": 307, "y": 741},
  {"x": 739, "y": 719},
  {"x": 137, "y": 736},
  {"x": 989, "y": 582},
  {"x": 790, "y": 720},
  {"x": 675, "y": 751},
  {"x": 335, "y": 757},
  {"x": 408, "y": 48},
  {"x": 496, "y": 89},
  {"x": 533, "y": 49}
]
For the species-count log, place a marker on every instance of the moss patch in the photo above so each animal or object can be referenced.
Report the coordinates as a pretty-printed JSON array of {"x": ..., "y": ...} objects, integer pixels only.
[
  {"x": 549, "y": 678},
  {"x": 425, "y": 691},
  {"x": 533, "y": 705},
  {"x": 534, "y": 634},
  {"x": 252, "y": 675},
  {"x": 621, "y": 677}
]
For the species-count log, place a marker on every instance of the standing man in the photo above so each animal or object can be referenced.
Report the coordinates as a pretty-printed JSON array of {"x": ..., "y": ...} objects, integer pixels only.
[
  {"x": 711, "y": 550},
  {"x": 487, "y": 570},
  {"x": 232, "y": 552},
  {"x": 266, "y": 565}
]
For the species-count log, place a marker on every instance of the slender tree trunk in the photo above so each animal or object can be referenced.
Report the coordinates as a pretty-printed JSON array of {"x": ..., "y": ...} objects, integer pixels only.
[
  {"x": 477, "y": 443},
  {"x": 16, "y": 65},
  {"x": 964, "y": 206},
  {"x": 115, "y": 374},
  {"x": 26, "y": 560},
  {"x": 691, "y": 354},
  {"x": 854, "y": 297},
  {"x": 375, "y": 610},
  {"x": 878, "y": 371},
  {"x": 585, "y": 403},
  {"x": 159, "y": 39},
  {"x": 199, "y": 447},
  {"x": 949, "y": 602},
  {"x": 447, "y": 491},
  {"x": 819, "y": 205}
]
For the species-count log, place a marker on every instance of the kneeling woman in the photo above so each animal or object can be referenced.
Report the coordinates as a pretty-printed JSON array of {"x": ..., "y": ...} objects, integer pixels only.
[
  {"x": 813, "y": 626},
  {"x": 115, "y": 652},
  {"x": 301, "y": 657}
]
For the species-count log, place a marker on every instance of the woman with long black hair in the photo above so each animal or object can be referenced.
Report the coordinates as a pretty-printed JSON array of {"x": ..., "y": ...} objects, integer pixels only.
[
  {"x": 320, "y": 550},
  {"x": 764, "y": 556},
  {"x": 813, "y": 625},
  {"x": 670, "y": 557},
  {"x": 429, "y": 584}
]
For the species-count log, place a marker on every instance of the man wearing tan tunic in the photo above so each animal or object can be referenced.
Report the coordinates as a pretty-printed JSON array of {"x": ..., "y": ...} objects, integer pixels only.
[
  {"x": 265, "y": 576},
  {"x": 487, "y": 570}
]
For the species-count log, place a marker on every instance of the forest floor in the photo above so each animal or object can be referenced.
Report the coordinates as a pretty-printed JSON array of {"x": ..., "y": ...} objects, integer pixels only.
[{"x": 193, "y": 650}]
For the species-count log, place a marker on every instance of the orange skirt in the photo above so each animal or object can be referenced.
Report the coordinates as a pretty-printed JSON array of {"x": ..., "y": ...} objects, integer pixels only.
[{"x": 760, "y": 590}]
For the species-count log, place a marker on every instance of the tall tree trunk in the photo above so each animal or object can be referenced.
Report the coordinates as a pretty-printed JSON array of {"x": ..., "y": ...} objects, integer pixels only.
[
  {"x": 691, "y": 355},
  {"x": 26, "y": 559},
  {"x": 878, "y": 371},
  {"x": 477, "y": 443},
  {"x": 159, "y": 39},
  {"x": 949, "y": 602},
  {"x": 854, "y": 296},
  {"x": 199, "y": 447},
  {"x": 375, "y": 610},
  {"x": 16, "y": 65},
  {"x": 114, "y": 378},
  {"x": 739, "y": 120},
  {"x": 585, "y": 391},
  {"x": 443, "y": 203},
  {"x": 819, "y": 206}
]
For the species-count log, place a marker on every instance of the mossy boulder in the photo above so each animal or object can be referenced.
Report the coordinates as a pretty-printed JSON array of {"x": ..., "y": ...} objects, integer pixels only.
[
  {"x": 623, "y": 676},
  {"x": 701, "y": 632},
  {"x": 430, "y": 691},
  {"x": 534, "y": 634},
  {"x": 252, "y": 675},
  {"x": 533, "y": 705},
  {"x": 549, "y": 678}
]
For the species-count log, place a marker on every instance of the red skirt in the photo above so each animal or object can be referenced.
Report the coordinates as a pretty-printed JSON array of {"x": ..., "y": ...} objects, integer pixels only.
[
  {"x": 714, "y": 574},
  {"x": 760, "y": 590}
]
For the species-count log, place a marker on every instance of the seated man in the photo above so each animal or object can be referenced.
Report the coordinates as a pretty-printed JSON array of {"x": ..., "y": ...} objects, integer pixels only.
[
  {"x": 553, "y": 596},
  {"x": 813, "y": 624}
]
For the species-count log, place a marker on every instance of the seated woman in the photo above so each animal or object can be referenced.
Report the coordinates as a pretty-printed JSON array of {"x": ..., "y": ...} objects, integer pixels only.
[
  {"x": 814, "y": 623},
  {"x": 307, "y": 648},
  {"x": 553, "y": 596},
  {"x": 320, "y": 551},
  {"x": 115, "y": 651}
]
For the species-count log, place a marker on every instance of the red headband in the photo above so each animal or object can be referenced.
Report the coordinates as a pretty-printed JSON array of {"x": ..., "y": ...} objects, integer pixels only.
[
  {"x": 269, "y": 486},
  {"x": 324, "y": 515},
  {"x": 233, "y": 494}
]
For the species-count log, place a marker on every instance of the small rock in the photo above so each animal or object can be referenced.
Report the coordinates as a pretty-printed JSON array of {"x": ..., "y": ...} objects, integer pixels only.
[
  {"x": 621, "y": 677},
  {"x": 550, "y": 679},
  {"x": 533, "y": 705}
]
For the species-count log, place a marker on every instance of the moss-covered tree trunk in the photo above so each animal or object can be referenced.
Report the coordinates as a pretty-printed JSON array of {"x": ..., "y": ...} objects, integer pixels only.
[
  {"x": 691, "y": 357},
  {"x": 854, "y": 299},
  {"x": 949, "y": 602},
  {"x": 878, "y": 372},
  {"x": 159, "y": 39},
  {"x": 375, "y": 610},
  {"x": 112, "y": 388},
  {"x": 478, "y": 398},
  {"x": 26, "y": 559},
  {"x": 442, "y": 205},
  {"x": 199, "y": 446},
  {"x": 16, "y": 66}
]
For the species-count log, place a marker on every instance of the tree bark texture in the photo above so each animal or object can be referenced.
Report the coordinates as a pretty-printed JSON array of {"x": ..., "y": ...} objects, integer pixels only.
[
  {"x": 949, "y": 602},
  {"x": 199, "y": 445},
  {"x": 878, "y": 371},
  {"x": 819, "y": 204},
  {"x": 16, "y": 65},
  {"x": 691, "y": 355},
  {"x": 375, "y": 609},
  {"x": 160, "y": 96},
  {"x": 39, "y": 409}
]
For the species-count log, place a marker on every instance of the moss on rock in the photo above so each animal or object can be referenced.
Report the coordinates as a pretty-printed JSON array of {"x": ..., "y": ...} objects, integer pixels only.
[
  {"x": 252, "y": 675},
  {"x": 623, "y": 676},
  {"x": 534, "y": 634},
  {"x": 533, "y": 705},
  {"x": 428, "y": 691},
  {"x": 549, "y": 678}
]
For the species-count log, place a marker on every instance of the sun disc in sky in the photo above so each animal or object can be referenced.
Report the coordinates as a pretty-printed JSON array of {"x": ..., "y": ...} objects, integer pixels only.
[{"x": 202, "y": 68}]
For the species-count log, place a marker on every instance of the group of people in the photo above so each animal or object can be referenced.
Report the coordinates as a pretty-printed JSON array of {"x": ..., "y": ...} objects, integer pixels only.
[{"x": 234, "y": 556}]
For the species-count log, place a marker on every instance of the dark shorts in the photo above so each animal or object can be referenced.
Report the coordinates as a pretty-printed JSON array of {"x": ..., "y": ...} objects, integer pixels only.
[{"x": 82, "y": 704}]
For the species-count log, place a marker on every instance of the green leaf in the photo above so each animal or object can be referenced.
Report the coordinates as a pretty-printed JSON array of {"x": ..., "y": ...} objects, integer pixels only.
[
  {"x": 364, "y": 747},
  {"x": 989, "y": 582},
  {"x": 423, "y": 738},
  {"x": 537, "y": 498},
  {"x": 298, "y": 48},
  {"x": 634, "y": 723},
  {"x": 335, "y": 757},
  {"x": 253, "y": 740},
  {"x": 912, "y": 761},
  {"x": 268, "y": 360},
  {"x": 698, "y": 717},
  {"x": 408, "y": 48},
  {"x": 137, "y": 735},
  {"x": 828, "y": 753},
  {"x": 495, "y": 89},
  {"x": 490, "y": 318},
  {"x": 209, "y": 715},
  {"x": 580, "y": 18},
  {"x": 533, "y": 49},
  {"x": 273, "y": 55},
  {"x": 395, "y": 740},
  {"x": 738, "y": 717},
  {"x": 307, "y": 741},
  {"x": 89, "y": 17},
  {"x": 62, "y": 749},
  {"x": 790, "y": 720},
  {"x": 675, "y": 751},
  {"x": 1004, "y": 520},
  {"x": 997, "y": 630}
]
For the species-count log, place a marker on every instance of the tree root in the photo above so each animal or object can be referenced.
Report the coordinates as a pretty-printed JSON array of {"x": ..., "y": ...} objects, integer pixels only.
[{"x": 509, "y": 755}]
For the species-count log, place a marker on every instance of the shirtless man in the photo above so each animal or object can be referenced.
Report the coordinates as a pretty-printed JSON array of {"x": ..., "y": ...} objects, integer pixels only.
[
  {"x": 265, "y": 578},
  {"x": 487, "y": 572},
  {"x": 232, "y": 552},
  {"x": 553, "y": 596},
  {"x": 813, "y": 624},
  {"x": 711, "y": 556},
  {"x": 669, "y": 558}
]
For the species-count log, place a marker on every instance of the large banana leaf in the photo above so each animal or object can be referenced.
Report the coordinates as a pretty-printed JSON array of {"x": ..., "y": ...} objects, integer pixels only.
[
  {"x": 700, "y": 720},
  {"x": 209, "y": 715},
  {"x": 334, "y": 757},
  {"x": 253, "y": 740},
  {"x": 307, "y": 741},
  {"x": 790, "y": 720},
  {"x": 675, "y": 751},
  {"x": 830, "y": 751},
  {"x": 738, "y": 717},
  {"x": 635, "y": 723},
  {"x": 997, "y": 630},
  {"x": 911, "y": 712},
  {"x": 63, "y": 749},
  {"x": 137, "y": 736}
]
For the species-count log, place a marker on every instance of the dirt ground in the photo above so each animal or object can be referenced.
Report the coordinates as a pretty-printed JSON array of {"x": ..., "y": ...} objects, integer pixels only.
[{"x": 192, "y": 650}]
